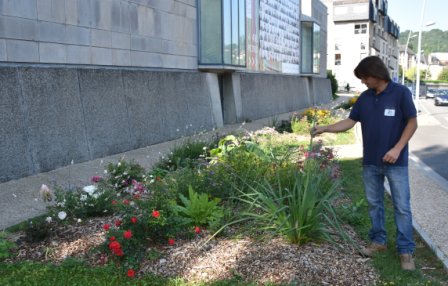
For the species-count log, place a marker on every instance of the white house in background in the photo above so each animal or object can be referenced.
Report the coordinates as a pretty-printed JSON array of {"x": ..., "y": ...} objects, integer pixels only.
[{"x": 357, "y": 29}]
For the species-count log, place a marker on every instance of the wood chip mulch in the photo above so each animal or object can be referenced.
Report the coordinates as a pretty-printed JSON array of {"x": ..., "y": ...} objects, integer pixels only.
[{"x": 273, "y": 260}]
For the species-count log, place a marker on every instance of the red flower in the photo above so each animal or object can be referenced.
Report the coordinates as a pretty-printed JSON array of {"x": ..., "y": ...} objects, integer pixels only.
[
  {"x": 171, "y": 241},
  {"x": 117, "y": 223},
  {"x": 106, "y": 227},
  {"x": 131, "y": 273},
  {"x": 197, "y": 229},
  {"x": 127, "y": 234},
  {"x": 112, "y": 238},
  {"x": 96, "y": 179},
  {"x": 114, "y": 202},
  {"x": 155, "y": 213},
  {"x": 114, "y": 245},
  {"x": 126, "y": 202},
  {"x": 133, "y": 219},
  {"x": 118, "y": 252}
]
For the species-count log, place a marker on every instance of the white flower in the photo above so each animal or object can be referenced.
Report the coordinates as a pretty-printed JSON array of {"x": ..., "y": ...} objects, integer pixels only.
[
  {"x": 46, "y": 193},
  {"x": 105, "y": 171},
  {"x": 119, "y": 164},
  {"x": 79, "y": 220},
  {"x": 96, "y": 195},
  {"x": 49, "y": 219},
  {"x": 62, "y": 215},
  {"x": 90, "y": 189},
  {"x": 83, "y": 198}
]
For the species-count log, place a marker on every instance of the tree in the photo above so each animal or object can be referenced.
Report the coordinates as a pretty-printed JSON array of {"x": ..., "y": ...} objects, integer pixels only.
[
  {"x": 444, "y": 74},
  {"x": 334, "y": 82}
]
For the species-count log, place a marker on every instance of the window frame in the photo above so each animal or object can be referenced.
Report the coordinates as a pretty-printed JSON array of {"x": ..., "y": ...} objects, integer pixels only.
[{"x": 241, "y": 62}]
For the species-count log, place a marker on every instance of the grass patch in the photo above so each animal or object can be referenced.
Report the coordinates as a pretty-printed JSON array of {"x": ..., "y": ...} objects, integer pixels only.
[
  {"x": 73, "y": 272},
  {"x": 429, "y": 271},
  {"x": 342, "y": 138}
]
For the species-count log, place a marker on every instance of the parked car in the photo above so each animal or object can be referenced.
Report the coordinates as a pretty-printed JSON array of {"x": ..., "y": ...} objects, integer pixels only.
[
  {"x": 441, "y": 98},
  {"x": 431, "y": 93}
]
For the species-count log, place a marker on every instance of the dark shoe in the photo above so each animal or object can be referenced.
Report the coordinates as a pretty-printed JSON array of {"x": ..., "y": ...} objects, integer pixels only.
[
  {"x": 407, "y": 262},
  {"x": 372, "y": 249}
]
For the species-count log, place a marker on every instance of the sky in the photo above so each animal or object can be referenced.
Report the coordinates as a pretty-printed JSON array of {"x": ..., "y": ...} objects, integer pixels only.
[{"x": 407, "y": 14}]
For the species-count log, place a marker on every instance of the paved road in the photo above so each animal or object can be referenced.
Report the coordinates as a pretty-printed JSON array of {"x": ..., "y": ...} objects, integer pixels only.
[{"x": 430, "y": 143}]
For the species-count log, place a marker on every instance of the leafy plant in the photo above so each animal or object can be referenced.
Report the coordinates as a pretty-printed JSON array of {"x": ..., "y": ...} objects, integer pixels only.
[
  {"x": 37, "y": 229},
  {"x": 5, "y": 246},
  {"x": 199, "y": 210}
]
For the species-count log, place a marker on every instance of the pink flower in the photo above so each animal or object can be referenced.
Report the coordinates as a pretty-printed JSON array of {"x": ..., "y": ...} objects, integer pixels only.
[
  {"x": 114, "y": 202},
  {"x": 96, "y": 179},
  {"x": 117, "y": 223},
  {"x": 126, "y": 202},
  {"x": 171, "y": 241},
  {"x": 133, "y": 219},
  {"x": 155, "y": 213},
  {"x": 127, "y": 234},
  {"x": 106, "y": 227},
  {"x": 112, "y": 238}
]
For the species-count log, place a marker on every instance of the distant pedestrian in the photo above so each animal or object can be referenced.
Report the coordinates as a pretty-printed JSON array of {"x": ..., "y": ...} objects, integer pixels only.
[
  {"x": 347, "y": 87},
  {"x": 388, "y": 121}
]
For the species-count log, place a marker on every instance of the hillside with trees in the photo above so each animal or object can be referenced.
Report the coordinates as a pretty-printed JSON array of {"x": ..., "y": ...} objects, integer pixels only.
[{"x": 433, "y": 41}]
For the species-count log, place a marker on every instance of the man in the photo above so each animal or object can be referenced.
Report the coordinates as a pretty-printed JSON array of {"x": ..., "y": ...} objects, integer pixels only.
[{"x": 388, "y": 120}]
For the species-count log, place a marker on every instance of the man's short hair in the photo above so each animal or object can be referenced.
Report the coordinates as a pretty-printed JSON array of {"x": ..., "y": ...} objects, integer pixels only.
[{"x": 372, "y": 66}]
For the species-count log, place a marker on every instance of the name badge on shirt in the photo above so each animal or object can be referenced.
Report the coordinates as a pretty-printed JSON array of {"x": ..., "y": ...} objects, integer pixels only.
[{"x": 389, "y": 112}]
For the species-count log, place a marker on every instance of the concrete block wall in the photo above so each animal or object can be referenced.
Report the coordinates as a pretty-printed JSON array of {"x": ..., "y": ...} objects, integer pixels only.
[
  {"x": 51, "y": 116},
  {"x": 264, "y": 95},
  {"x": 142, "y": 33}
]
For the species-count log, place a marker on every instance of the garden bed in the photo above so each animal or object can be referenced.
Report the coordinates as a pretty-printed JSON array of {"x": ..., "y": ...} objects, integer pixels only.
[{"x": 271, "y": 260}]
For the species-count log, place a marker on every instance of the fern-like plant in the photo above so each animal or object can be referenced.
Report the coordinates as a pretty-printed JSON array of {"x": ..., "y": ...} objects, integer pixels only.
[{"x": 199, "y": 210}]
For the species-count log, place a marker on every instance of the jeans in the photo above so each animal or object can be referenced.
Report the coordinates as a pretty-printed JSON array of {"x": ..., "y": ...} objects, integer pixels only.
[{"x": 398, "y": 179}]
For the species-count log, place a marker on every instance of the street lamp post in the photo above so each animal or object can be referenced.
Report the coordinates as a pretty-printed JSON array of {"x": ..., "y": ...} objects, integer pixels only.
[
  {"x": 417, "y": 81},
  {"x": 406, "y": 61}
]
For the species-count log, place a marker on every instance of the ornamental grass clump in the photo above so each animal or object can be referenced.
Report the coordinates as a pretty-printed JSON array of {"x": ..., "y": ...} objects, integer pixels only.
[{"x": 298, "y": 206}]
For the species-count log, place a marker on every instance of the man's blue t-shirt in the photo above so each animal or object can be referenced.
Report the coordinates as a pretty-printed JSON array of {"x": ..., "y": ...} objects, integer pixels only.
[{"x": 383, "y": 118}]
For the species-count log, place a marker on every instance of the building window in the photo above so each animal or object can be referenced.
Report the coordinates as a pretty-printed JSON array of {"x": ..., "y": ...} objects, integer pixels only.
[
  {"x": 337, "y": 59},
  {"x": 310, "y": 48},
  {"x": 222, "y": 32},
  {"x": 360, "y": 28}
]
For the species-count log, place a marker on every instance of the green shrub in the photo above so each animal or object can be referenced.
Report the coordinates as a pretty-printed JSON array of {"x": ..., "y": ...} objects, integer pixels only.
[
  {"x": 443, "y": 75},
  {"x": 90, "y": 201},
  {"x": 334, "y": 83},
  {"x": 5, "y": 246},
  {"x": 186, "y": 155},
  {"x": 38, "y": 229},
  {"x": 121, "y": 175}
]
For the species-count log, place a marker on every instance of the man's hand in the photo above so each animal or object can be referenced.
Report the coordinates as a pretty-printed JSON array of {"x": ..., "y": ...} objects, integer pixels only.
[
  {"x": 316, "y": 130},
  {"x": 392, "y": 156}
]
